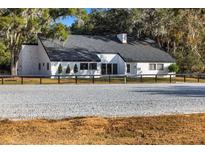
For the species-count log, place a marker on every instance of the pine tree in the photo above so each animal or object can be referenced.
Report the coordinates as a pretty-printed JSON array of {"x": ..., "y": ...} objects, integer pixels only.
[
  {"x": 75, "y": 68},
  {"x": 67, "y": 69},
  {"x": 60, "y": 69}
]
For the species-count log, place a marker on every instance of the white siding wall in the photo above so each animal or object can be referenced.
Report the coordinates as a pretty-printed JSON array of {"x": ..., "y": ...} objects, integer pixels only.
[
  {"x": 105, "y": 58},
  {"x": 43, "y": 58},
  {"x": 55, "y": 65},
  {"x": 143, "y": 68},
  {"x": 113, "y": 58},
  {"x": 27, "y": 59},
  {"x": 133, "y": 69}
]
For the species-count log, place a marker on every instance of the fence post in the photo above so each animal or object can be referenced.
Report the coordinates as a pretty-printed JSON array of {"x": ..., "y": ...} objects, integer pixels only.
[
  {"x": 76, "y": 80},
  {"x": 93, "y": 79},
  {"x": 170, "y": 79},
  {"x": 21, "y": 80},
  {"x": 156, "y": 78},
  {"x": 141, "y": 80},
  {"x": 198, "y": 77},
  {"x": 40, "y": 80},
  {"x": 2, "y": 80},
  {"x": 125, "y": 79},
  {"x": 59, "y": 79},
  {"x": 109, "y": 78},
  {"x": 184, "y": 78}
]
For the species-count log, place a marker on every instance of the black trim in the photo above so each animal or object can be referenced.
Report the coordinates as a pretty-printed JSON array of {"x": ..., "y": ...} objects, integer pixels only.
[
  {"x": 121, "y": 57},
  {"x": 44, "y": 48},
  {"x": 111, "y": 53}
]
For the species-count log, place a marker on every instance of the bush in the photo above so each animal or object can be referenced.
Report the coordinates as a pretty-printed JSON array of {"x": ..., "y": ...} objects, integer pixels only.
[
  {"x": 173, "y": 68},
  {"x": 75, "y": 68},
  {"x": 60, "y": 69},
  {"x": 67, "y": 69}
]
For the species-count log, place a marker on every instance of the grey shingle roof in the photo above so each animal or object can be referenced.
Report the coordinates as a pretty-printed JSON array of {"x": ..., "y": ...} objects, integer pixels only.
[{"x": 85, "y": 47}]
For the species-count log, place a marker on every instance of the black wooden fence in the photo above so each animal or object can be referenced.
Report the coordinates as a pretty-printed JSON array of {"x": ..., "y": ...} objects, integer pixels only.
[{"x": 170, "y": 78}]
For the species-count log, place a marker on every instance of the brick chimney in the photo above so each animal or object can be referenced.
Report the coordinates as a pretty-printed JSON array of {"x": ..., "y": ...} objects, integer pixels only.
[{"x": 122, "y": 37}]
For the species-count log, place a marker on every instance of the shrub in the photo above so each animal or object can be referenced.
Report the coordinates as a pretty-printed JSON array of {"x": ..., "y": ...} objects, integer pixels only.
[
  {"x": 60, "y": 69},
  {"x": 67, "y": 69},
  {"x": 173, "y": 68},
  {"x": 75, "y": 68}
]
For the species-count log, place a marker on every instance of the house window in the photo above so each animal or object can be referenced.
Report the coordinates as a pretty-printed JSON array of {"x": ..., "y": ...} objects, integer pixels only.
[
  {"x": 114, "y": 68},
  {"x": 93, "y": 66},
  {"x": 160, "y": 66},
  {"x": 39, "y": 66},
  {"x": 84, "y": 66},
  {"x": 152, "y": 66},
  {"x": 128, "y": 68},
  {"x": 43, "y": 64},
  {"x": 48, "y": 67}
]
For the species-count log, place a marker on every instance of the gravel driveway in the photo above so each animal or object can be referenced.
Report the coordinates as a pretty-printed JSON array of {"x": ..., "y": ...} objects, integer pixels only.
[{"x": 60, "y": 101}]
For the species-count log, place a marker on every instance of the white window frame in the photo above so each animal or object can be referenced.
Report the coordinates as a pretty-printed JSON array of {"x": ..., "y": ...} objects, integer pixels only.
[
  {"x": 83, "y": 68},
  {"x": 161, "y": 68},
  {"x": 129, "y": 68},
  {"x": 155, "y": 66},
  {"x": 90, "y": 66}
]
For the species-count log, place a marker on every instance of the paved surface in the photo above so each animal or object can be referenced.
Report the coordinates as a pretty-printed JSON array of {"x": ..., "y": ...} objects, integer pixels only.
[{"x": 59, "y": 101}]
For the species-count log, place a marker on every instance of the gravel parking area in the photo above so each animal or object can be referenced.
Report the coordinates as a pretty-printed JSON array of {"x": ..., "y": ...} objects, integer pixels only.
[{"x": 61, "y": 101}]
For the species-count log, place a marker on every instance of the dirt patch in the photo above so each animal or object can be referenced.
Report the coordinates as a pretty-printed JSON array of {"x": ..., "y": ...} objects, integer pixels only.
[{"x": 178, "y": 129}]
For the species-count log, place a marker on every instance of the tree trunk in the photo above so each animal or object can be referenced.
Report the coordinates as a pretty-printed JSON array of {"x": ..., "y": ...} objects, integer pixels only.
[
  {"x": 174, "y": 48},
  {"x": 13, "y": 64},
  {"x": 168, "y": 46}
]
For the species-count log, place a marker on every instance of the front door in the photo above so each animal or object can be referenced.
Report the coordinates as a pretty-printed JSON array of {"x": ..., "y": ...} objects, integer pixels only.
[
  {"x": 108, "y": 69},
  {"x": 103, "y": 69},
  {"x": 114, "y": 69}
]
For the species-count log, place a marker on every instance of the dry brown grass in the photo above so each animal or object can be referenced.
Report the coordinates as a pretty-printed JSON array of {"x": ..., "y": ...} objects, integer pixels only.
[{"x": 179, "y": 129}]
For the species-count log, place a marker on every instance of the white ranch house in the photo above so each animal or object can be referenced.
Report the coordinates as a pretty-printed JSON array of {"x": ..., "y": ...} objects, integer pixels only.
[{"x": 93, "y": 55}]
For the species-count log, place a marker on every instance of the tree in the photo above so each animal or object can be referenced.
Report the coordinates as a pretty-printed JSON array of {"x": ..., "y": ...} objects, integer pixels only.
[
  {"x": 60, "y": 69},
  {"x": 181, "y": 32},
  {"x": 4, "y": 57},
  {"x": 58, "y": 31},
  {"x": 22, "y": 25},
  {"x": 67, "y": 69},
  {"x": 107, "y": 21},
  {"x": 173, "y": 68},
  {"x": 75, "y": 68}
]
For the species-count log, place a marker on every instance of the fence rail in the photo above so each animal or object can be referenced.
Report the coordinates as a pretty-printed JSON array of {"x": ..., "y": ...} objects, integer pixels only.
[{"x": 58, "y": 79}]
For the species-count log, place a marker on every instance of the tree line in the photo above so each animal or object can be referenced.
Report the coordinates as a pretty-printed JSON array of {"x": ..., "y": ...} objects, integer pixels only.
[{"x": 180, "y": 32}]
